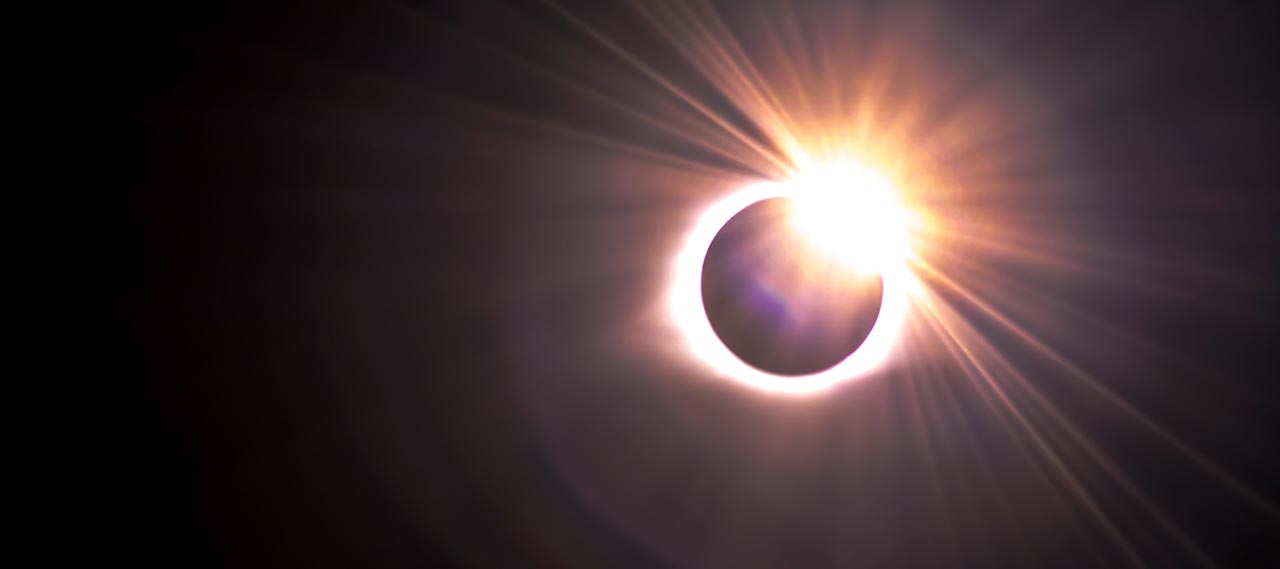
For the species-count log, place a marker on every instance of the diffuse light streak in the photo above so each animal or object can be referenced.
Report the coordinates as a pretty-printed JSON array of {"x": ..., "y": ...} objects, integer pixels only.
[
  {"x": 704, "y": 140},
  {"x": 772, "y": 156},
  {"x": 1088, "y": 380},
  {"x": 985, "y": 368},
  {"x": 721, "y": 56},
  {"x": 944, "y": 325}
]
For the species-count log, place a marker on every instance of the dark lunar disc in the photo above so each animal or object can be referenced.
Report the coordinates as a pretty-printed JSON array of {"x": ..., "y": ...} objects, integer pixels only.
[{"x": 778, "y": 304}]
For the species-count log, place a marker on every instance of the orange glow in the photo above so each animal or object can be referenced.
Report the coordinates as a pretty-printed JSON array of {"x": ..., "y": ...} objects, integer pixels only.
[{"x": 850, "y": 213}]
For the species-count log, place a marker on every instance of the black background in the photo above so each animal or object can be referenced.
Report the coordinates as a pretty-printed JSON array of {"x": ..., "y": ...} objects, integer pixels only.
[{"x": 330, "y": 271}]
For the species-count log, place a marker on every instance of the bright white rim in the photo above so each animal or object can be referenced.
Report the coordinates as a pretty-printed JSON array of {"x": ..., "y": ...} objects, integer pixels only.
[{"x": 690, "y": 316}]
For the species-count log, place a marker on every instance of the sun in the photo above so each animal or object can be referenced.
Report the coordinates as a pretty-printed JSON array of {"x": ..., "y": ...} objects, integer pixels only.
[{"x": 847, "y": 211}]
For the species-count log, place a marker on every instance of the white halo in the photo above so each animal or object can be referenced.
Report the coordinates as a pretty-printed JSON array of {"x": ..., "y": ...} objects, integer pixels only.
[{"x": 690, "y": 316}]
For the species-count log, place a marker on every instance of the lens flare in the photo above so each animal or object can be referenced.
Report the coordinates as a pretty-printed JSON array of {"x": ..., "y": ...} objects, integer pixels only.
[{"x": 850, "y": 213}]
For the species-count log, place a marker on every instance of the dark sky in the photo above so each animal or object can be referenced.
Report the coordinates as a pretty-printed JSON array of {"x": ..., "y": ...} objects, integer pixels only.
[{"x": 372, "y": 287}]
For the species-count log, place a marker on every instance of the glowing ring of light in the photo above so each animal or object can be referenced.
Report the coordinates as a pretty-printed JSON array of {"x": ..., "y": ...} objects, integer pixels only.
[{"x": 690, "y": 315}]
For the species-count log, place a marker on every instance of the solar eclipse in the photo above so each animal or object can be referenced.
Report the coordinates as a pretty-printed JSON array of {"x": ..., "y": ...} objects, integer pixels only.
[
  {"x": 676, "y": 283},
  {"x": 796, "y": 286}
]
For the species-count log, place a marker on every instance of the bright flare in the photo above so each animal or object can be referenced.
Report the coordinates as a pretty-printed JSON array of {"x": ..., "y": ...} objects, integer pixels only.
[{"x": 851, "y": 214}]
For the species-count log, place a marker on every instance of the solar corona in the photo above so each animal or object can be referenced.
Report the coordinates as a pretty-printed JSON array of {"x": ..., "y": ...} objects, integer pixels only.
[{"x": 848, "y": 223}]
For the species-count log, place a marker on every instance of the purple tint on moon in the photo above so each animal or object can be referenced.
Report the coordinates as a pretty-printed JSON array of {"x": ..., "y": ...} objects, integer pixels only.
[{"x": 777, "y": 304}]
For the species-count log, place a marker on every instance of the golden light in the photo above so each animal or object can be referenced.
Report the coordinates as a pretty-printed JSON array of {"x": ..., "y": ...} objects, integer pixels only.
[{"x": 850, "y": 213}]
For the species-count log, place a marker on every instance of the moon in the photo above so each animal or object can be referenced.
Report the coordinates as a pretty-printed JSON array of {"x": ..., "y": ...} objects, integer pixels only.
[
  {"x": 777, "y": 304},
  {"x": 838, "y": 350}
]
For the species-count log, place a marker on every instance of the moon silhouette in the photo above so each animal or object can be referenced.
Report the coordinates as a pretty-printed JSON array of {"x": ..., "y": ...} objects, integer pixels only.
[{"x": 776, "y": 302}]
